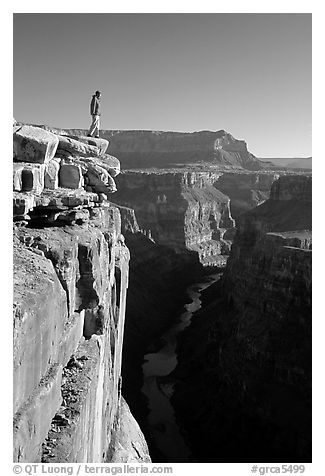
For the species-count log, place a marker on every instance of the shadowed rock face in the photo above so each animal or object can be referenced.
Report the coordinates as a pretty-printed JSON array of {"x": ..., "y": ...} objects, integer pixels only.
[
  {"x": 246, "y": 190},
  {"x": 181, "y": 210},
  {"x": 158, "y": 280},
  {"x": 244, "y": 372}
]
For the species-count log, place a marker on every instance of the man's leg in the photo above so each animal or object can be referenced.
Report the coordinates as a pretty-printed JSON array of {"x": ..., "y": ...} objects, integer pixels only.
[
  {"x": 93, "y": 126},
  {"x": 97, "y": 126}
]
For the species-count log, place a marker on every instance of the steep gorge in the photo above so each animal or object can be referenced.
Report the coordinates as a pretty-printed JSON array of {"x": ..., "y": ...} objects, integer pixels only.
[
  {"x": 245, "y": 355},
  {"x": 175, "y": 239},
  {"x": 243, "y": 388}
]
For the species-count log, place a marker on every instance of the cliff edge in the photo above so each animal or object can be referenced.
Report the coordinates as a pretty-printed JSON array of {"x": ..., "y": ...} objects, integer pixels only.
[{"x": 70, "y": 282}]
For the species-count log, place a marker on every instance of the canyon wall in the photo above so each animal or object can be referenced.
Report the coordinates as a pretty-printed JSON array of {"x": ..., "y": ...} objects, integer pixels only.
[
  {"x": 71, "y": 270},
  {"x": 181, "y": 210},
  {"x": 246, "y": 190},
  {"x": 243, "y": 388},
  {"x": 156, "y": 148}
]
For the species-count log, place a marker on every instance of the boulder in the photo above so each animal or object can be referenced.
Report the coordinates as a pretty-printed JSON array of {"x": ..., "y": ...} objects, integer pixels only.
[
  {"x": 34, "y": 145},
  {"x": 70, "y": 176},
  {"x": 111, "y": 164},
  {"x": 51, "y": 174},
  {"x": 100, "y": 180},
  {"x": 75, "y": 148},
  {"x": 102, "y": 144},
  {"x": 108, "y": 162}
]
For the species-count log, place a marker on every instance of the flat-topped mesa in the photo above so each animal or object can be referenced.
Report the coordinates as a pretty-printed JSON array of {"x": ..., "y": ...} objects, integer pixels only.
[
  {"x": 47, "y": 161},
  {"x": 141, "y": 148},
  {"x": 181, "y": 210},
  {"x": 150, "y": 148}
]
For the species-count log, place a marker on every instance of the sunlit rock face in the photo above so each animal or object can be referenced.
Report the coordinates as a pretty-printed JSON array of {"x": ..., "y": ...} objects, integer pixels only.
[
  {"x": 244, "y": 372},
  {"x": 181, "y": 210},
  {"x": 45, "y": 159},
  {"x": 155, "y": 148},
  {"x": 71, "y": 273},
  {"x": 33, "y": 144}
]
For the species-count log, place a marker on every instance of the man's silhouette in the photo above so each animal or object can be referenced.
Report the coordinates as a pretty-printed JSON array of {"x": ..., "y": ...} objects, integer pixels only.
[{"x": 95, "y": 114}]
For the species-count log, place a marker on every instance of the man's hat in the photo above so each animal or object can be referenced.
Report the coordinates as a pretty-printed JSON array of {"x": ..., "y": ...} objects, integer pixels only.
[{"x": 98, "y": 92}]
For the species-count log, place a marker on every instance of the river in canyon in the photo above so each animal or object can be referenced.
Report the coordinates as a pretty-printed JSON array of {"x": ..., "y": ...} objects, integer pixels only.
[{"x": 166, "y": 434}]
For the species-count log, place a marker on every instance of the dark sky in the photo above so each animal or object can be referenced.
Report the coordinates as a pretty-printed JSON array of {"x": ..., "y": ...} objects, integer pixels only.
[{"x": 247, "y": 73}]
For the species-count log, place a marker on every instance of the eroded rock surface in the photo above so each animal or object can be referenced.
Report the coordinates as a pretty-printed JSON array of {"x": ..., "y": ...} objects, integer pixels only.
[
  {"x": 71, "y": 270},
  {"x": 44, "y": 159}
]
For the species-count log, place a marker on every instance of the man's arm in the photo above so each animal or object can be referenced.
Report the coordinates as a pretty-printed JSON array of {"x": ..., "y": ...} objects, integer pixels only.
[{"x": 92, "y": 106}]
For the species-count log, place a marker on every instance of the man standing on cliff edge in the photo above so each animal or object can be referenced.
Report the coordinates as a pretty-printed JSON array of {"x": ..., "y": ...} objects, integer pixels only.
[{"x": 95, "y": 114}]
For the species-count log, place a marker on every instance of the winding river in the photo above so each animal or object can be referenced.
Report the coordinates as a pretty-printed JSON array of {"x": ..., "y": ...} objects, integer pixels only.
[{"x": 165, "y": 431}]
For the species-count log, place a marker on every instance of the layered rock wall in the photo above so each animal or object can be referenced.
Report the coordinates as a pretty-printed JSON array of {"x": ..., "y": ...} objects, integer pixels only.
[
  {"x": 181, "y": 210},
  {"x": 70, "y": 282}
]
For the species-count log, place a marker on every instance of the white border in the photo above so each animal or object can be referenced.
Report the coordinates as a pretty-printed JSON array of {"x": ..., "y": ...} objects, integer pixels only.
[{"x": 318, "y": 195}]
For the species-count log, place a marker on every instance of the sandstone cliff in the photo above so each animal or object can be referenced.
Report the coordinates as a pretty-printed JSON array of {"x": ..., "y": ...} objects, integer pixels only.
[
  {"x": 180, "y": 209},
  {"x": 244, "y": 373},
  {"x": 70, "y": 282}
]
